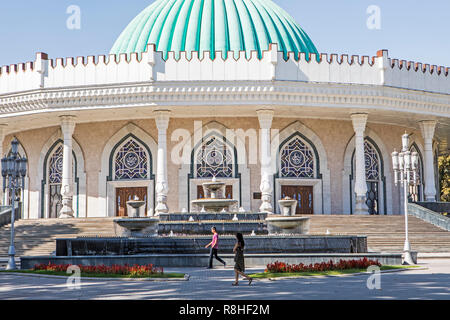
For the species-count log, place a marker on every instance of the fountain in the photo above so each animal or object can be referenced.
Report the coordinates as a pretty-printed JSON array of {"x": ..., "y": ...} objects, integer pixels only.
[
  {"x": 178, "y": 239},
  {"x": 288, "y": 206},
  {"x": 213, "y": 203},
  {"x": 287, "y": 223},
  {"x": 135, "y": 226}
]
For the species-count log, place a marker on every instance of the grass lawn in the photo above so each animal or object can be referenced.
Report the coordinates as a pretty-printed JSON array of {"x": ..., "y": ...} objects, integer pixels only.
[
  {"x": 99, "y": 275},
  {"x": 266, "y": 275}
]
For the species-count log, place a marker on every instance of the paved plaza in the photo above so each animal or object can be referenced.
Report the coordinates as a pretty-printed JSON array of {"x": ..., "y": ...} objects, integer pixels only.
[{"x": 432, "y": 283}]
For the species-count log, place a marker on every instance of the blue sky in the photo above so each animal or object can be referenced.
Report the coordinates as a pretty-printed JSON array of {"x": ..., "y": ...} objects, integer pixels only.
[{"x": 412, "y": 30}]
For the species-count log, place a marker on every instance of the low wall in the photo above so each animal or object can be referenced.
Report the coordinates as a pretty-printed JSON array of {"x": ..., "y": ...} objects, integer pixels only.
[
  {"x": 196, "y": 245},
  {"x": 429, "y": 216},
  {"x": 201, "y": 260}
]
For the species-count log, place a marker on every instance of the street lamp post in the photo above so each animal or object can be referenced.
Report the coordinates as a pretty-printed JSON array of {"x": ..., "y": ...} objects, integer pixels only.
[
  {"x": 406, "y": 165},
  {"x": 14, "y": 169}
]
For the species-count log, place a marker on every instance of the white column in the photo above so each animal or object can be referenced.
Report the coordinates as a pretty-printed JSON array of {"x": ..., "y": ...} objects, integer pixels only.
[
  {"x": 265, "y": 121},
  {"x": 427, "y": 127},
  {"x": 359, "y": 121},
  {"x": 162, "y": 187},
  {"x": 2, "y": 138},
  {"x": 67, "y": 128}
]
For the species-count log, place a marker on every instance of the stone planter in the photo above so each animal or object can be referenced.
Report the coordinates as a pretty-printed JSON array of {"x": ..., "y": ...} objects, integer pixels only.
[{"x": 287, "y": 225}]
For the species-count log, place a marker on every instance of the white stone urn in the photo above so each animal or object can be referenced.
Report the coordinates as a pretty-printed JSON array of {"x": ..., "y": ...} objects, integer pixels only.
[
  {"x": 287, "y": 206},
  {"x": 135, "y": 208}
]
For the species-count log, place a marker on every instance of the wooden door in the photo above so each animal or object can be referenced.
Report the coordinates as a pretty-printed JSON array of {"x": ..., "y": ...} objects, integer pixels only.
[
  {"x": 303, "y": 195},
  {"x": 228, "y": 192},
  {"x": 125, "y": 194}
]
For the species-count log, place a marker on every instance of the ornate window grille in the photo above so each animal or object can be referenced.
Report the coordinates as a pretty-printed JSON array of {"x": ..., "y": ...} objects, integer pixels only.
[
  {"x": 372, "y": 162},
  {"x": 131, "y": 162},
  {"x": 297, "y": 160},
  {"x": 214, "y": 159},
  {"x": 55, "y": 166},
  {"x": 372, "y": 165}
]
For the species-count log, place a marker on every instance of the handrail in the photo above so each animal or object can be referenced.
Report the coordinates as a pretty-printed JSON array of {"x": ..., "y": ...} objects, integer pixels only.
[
  {"x": 429, "y": 216},
  {"x": 5, "y": 214}
]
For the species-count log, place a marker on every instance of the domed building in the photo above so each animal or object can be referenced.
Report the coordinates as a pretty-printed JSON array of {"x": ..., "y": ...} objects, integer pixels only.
[{"x": 196, "y": 89}]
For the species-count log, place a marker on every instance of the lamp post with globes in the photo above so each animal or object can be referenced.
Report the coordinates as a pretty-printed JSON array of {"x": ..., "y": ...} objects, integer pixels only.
[
  {"x": 406, "y": 165},
  {"x": 14, "y": 169}
]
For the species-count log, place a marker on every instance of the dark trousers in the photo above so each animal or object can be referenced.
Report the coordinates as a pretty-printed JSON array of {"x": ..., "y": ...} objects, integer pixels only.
[{"x": 213, "y": 254}]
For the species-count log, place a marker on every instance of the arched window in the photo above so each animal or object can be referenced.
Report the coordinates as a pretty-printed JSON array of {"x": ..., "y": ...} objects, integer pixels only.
[
  {"x": 56, "y": 166},
  {"x": 374, "y": 176},
  {"x": 131, "y": 162},
  {"x": 297, "y": 160},
  {"x": 372, "y": 164},
  {"x": 54, "y": 179},
  {"x": 214, "y": 158},
  {"x": 417, "y": 191}
]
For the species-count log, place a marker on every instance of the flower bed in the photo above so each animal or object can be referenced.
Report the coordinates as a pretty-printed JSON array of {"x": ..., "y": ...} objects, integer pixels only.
[
  {"x": 281, "y": 267},
  {"x": 125, "y": 270}
]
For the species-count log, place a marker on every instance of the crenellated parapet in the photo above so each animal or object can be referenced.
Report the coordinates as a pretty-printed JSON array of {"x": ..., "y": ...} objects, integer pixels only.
[{"x": 150, "y": 66}]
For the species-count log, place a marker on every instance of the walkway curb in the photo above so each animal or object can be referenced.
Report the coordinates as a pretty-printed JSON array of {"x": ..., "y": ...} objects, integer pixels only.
[
  {"x": 186, "y": 277},
  {"x": 340, "y": 275}
]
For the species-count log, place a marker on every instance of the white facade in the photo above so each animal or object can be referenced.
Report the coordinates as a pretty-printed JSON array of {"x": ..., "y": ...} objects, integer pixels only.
[{"x": 103, "y": 100}]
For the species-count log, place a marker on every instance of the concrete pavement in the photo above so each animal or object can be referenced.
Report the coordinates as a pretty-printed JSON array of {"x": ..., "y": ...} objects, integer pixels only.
[{"x": 433, "y": 283}]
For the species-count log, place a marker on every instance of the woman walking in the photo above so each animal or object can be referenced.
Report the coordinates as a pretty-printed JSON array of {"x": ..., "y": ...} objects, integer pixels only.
[{"x": 239, "y": 266}]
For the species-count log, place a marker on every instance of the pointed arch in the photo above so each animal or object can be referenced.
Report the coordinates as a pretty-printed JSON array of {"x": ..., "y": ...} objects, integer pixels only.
[
  {"x": 79, "y": 179},
  {"x": 107, "y": 184},
  {"x": 239, "y": 173},
  {"x": 319, "y": 180},
  {"x": 385, "y": 190}
]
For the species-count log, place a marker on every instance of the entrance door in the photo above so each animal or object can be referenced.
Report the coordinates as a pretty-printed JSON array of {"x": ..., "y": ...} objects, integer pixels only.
[
  {"x": 55, "y": 203},
  {"x": 228, "y": 192},
  {"x": 125, "y": 194},
  {"x": 303, "y": 195}
]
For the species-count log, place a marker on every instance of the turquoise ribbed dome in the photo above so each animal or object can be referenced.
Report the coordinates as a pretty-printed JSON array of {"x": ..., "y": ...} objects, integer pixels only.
[{"x": 213, "y": 25}]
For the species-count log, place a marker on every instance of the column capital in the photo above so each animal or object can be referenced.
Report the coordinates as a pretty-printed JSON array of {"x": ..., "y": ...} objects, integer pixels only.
[
  {"x": 68, "y": 124},
  {"x": 427, "y": 127},
  {"x": 265, "y": 117},
  {"x": 162, "y": 118},
  {"x": 359, "y": 121}
]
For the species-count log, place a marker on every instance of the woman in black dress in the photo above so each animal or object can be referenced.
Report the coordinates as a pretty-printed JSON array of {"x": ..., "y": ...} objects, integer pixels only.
[{"x": 239, "y": 266}]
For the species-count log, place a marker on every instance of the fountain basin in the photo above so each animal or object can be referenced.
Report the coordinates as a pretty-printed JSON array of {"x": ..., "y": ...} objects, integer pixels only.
[
  {"x": 203, "y": 227},
  {"x": 287, "y": 225},
  {"x": 214, "y": 205},
  {"x": 136, "y": 227}
]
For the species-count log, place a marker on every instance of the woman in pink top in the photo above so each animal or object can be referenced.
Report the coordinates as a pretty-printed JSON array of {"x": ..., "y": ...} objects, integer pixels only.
[{"x": 214, "y": 247}]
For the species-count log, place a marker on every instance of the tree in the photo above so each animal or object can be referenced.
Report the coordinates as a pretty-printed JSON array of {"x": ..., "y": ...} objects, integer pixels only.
[{"x": 444, "y": 176}]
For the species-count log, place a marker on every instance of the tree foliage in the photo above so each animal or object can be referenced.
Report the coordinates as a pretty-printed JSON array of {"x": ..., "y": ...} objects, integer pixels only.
[{"x": 444, "y": 175}]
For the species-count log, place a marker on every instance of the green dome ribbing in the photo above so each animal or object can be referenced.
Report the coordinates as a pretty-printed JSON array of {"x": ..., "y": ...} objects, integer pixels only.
[{"x": 213, "y": 25}]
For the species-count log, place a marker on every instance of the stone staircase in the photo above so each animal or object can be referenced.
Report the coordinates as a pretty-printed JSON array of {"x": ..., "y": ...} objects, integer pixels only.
[
  {"x": 385, "y": 233},
  {"x": 37, "y": 237}
]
